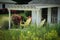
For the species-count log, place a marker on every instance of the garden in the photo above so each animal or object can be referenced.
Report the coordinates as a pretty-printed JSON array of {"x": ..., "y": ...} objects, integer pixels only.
[{"x": 44, "y": 31}]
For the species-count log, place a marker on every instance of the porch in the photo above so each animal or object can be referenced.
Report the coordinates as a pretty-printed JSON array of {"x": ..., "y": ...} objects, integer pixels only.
[{"x": 37, "y": 12}]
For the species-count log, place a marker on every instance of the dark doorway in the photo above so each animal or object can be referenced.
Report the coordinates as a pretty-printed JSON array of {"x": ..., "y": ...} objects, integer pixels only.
[{"x": 44, "y": 13}]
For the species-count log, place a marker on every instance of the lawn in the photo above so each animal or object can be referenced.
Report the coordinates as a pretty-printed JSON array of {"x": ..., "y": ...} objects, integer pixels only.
[{"x": 3, "y": 19}]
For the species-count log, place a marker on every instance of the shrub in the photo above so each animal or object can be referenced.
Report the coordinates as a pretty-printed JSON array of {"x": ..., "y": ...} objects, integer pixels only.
[
  {"x": 52, "y": 35},
  {"x": 16, "y": 19},
  {"x": 47, "y": 32}
]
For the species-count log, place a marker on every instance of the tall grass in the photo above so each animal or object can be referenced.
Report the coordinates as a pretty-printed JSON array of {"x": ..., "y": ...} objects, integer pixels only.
[{"x": 32, "y": 32}]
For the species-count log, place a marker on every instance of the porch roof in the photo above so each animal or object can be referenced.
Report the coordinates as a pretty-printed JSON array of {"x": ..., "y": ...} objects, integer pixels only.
[
  {"x": 44, "y": 2},
  {"x": 46, "y": 5},
  {"x": 30, "y": 7},
  {"x": 7, "y": 1}
]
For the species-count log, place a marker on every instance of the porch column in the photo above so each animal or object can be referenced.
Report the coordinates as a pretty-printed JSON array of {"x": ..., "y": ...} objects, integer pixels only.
[
  {"x": 34, "y": 16},
  {"x": 49, "y": 15},
  {"x": 38, "y": 21},
  {"x": 58, "y": 15},
  {"x": 9, "y": 18}
]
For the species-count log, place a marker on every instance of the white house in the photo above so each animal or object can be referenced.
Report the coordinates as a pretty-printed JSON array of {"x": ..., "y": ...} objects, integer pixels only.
[
  {"x": 4, "y": 3},
  {"x": 40, "y": 9},
  {"x": 47, "y": 9}
]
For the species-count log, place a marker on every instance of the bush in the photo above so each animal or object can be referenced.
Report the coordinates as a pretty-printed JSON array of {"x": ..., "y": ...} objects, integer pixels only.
[
  {"x": 52, "y": 35},
  {"x": 16, "y": 19},
  {"x": 47, "y": 32}
]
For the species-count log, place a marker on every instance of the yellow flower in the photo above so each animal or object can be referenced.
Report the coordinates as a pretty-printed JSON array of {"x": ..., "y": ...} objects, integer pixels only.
[{"x": 28, "y": 32}]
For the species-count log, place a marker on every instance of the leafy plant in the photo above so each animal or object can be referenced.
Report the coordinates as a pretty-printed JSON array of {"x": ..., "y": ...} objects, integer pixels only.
[{"x": 32, "y": 32}]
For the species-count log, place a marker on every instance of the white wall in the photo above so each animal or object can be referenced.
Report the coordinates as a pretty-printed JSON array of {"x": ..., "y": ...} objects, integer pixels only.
[
  {"x": 0, "y": 5},
  {"x": 58, "y": 15}
]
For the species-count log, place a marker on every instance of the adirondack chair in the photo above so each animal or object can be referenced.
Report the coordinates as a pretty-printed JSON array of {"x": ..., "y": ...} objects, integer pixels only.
[
  {"x": 42, "y": 22},
  {"x": 26, "y": 23}
]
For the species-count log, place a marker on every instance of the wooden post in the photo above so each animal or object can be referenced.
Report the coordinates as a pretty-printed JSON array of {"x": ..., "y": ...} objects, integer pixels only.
[
  {"x": 9, "y": 19},
  {"x": 38, "y": 16},
  {"x": 34, "y": 16},
  {"x": 58, "y": 15},
  {"x": 49, "y": 15}
]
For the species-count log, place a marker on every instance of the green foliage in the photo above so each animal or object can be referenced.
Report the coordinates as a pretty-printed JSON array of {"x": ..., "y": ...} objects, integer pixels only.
[
  {"x": 5, "y": 25},
  {"x": 24, "y": 17},
  {"x": 46, "y": 32},
  {"x": 52, "y": 35},
  {"x": 4, "y": 21}
]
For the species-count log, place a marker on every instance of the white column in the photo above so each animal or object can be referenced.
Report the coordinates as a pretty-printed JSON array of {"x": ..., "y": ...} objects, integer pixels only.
[
  {"x": 34, "y": 16},
  {"x": 38, "y": 17},
  {"x": 9, "y": 19},
  {"x": 49, "y": 15},
  {"x": 58, "y": 15}
]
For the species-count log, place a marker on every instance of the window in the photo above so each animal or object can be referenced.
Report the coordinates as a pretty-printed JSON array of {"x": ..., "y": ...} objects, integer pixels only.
[
  {"x": 44, "y": 13},
  {"x": 54, "y": 14}
]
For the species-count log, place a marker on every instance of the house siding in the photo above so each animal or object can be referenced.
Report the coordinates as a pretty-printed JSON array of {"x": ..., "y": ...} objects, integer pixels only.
[
  {"x": 0, "y": 6},
  {"x": 6, "y": 5}
]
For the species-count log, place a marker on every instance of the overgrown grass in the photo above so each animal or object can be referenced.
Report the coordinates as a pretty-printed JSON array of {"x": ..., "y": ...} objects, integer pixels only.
[{"x": 47, "y": 32}]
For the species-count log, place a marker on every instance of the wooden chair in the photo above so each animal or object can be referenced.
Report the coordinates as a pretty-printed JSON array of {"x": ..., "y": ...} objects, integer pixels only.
[{"x": 28, "y": 21}]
